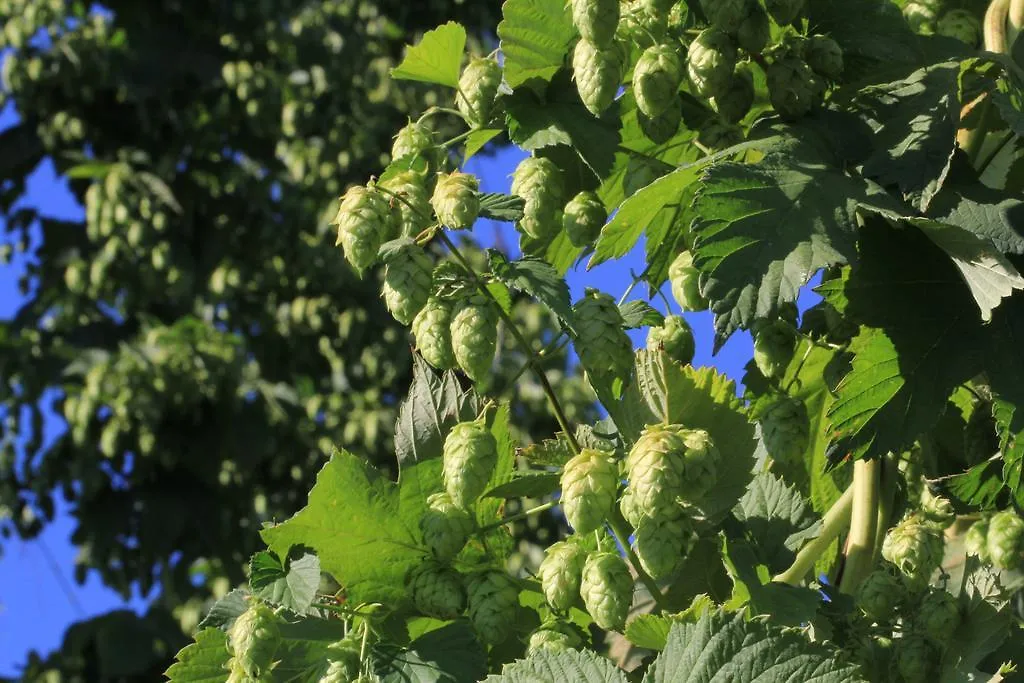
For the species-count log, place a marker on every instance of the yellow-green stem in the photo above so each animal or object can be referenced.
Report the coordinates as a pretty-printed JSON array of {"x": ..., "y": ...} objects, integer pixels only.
[
  {"x": 836, "y": 520},
  {"x": 860, "y": 543},
  {"x": 995, "y": 40},
  {"x": 889, "y": 475},
  {"x": 518, "y": 516}
]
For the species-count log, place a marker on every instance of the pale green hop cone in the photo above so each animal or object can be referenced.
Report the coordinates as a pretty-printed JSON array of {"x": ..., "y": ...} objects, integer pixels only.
[
  {"x": 407, "y": 279},
  {"x": 710, "y": 62},
  {"x": 560, "y": 574},
  {"x": 474, "y": 335},
  {"x": 656, "y": 79},
  {"x": 590, "y": 485},
  {"x": 437, "y": 590},
  {"x": 601, "y": 342},
  {"x": 478, "y": 88},
  {"x": 607, "y": 590},
  {"x": 470, "y": 454},
  {"x": 1005, "y": 540},
  {"x": 445, "y": 526},
  {"x": 253, "y": 639},
  {"x": 735, "y": 102},
  {"x": 456, "y": 200},
  {"x": 684, "y": 278},
  {"x": 598, "y": 74},
  {"x": 538, "y": 182},
  {"x": 412, "y": 203},
  {"x": 583, "y": 218},
  {"x": 493, "y": 601},
  {"x": 596, "y": 20},
  {"x": 432, "y": 329},
  {"x": 915, "y": 547},
  {"x": 774, "y": 346},
  {"x": 674, "y": 337},
  {"x": 414, "y": 140},
  {"x": 363, "y": 223},
  {"x": 660, "y": 543}
]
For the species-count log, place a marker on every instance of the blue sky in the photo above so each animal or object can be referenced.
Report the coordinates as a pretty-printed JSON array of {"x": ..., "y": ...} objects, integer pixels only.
[{"x": 39, "y": 597}]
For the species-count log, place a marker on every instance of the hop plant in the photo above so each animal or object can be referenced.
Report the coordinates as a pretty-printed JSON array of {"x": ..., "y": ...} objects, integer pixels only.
[
  {"x": 407, "y": 279},
  {"x": 674, "y": 337},
  {"x": 437, "y": 590},
  {"x": 710, "y": 62},
  {"x": 560, "y": 573},
  {"x": 962, "y": 25},
  {"x": 733, "y": 104},
  {"x": 432, "y": 329},
  {"x": 602, "y": 344},
  {"x": 824, "y": 56},
  {"x": 253, "y": 639},
  {"x": 1005, "y": 540},
  {"x": 363, "y": 223},
  {"x": 659, "y": 543},
  {"x": 700, "y": 465},
  {"x": 914, "y": 658},
  {"x": 538, "y": 181},
  {"x": 663, "y": 127},
  {"x": 343, "y": 662},
  {"x": 976, "y": 540},
  {"x": 715, "y": 135},
  {"x": 668, "y": 463},
  {"x": 607, "y": 590},
  {"x": 879, "y": 595},
  {"x": 412, "y": 204},
  {"x": 598, "y": 73},
  {"x": 784, "y": 12},
  {"x": 478, "y": 88},
  {"x": 656, "y": 79},
  {"x": 445, "y": 526},
  {"x": 474, "y": 337},
  {"x": 590, "y": 483},
  {"x": 554, "y": 637},
  {"x": 583, "y": 218},
  {"x": 596, "y": 20},
  {"x": 937, "y": 617},
  {"x": 793, "y": 87},
  {"x": 915, "y": 547},
  {"x": 785, "y": 429},
  {"x": 469, "y": 456},
  {"x": 725, "y": 15},
  {"x": 774, "y": 346},
  {"x": 684, "y": 278},
  {"x": 413, "y": 140},
  {"x": 456, "y": 199},
  {"x": 493, "y": 600},
  {"x": 755, "y": 30},
  {"x": 936, "y": 509}
]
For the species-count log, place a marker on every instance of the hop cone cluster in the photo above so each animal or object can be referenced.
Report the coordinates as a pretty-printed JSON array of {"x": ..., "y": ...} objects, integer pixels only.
[
  {"x": 364, "y": 222},
  {"x": 583, "y": 218},
  {"x": 538, "y": 181},
  {"x": 674, "y": 337},
  {"x": 602, "y": 344},
  {"x": 667, "y": 464},
  {"x": 607, "y": 590},
  {"x": 560, "y": 573},
  {"x": 432, "y": 329},
  {"x": 445, "y": 526},
  {"x": 493, "y": 601},
  {"x": 710, "y": 62},
  {"x": 774, "y": 346},
  {"x": 598, "y": 73},
  {"x": 253, "y": 639},
  {"x": 596, "y": 20},
  {"x": 437, "y": 590},
  {"x": 915, "y": 547},
  {"x": 656, "y": 79},
  {"x": 456, "y": 200},
  {"x": 683, "y": 276},
  {"x": 407, "y": 279},
  {"x": 590, "y": 484},
  {"x": 478, "y": 88},
  {"x": 469, "y": 456},
  {"x": 474, "y": 335}
]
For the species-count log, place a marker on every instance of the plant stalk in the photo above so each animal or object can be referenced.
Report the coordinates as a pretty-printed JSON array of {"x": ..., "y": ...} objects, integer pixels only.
[
  {"x": 836, "y": 520},
  {"x": 621, "y": 533},
  {"x": 889, "y": 476},
  {"x": 995, "y": 40},
  {"x": 518, "y": 516},
  {"x": 860, "y": 544}
]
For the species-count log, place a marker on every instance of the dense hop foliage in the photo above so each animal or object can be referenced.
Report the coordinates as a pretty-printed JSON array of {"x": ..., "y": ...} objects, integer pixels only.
[{"x": 855, "y": 515}]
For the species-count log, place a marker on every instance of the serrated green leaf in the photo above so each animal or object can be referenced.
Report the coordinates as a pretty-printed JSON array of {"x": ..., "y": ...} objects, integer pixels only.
[
  {"x": 536, "y": 278},
  {"x": 90, "y": 169},
  {"x": 450, "y": 654},
  {"x": 752, "y": 587},
  {"x": 639, "y": 314},
  {"x": 980, "y": 486},
  {"x": 526, "y": 484},
  {"x": 293, "y": 587},
  {"x": 985, "y": 212},
  {"x": 567, "y": 665},
  {"x": 303, "y": 653},
  {"x": 436, "y": 58},
  {"x": 723, "y": 647},
  {"x": 548, "y": 453},
  {"x": 478, "y": 139},
  {"x": 204, "y": 661},
  {"x": 224, "y": 612},
  {"x": 535, "y": 36},
  {"x": 776, "y": 520},
  {"x": 1009, "y": 97},
  {"x": 434, "y": 404},
  {"x": 501, "y": 207},
  {"x": 500, "y": 292},
  {"x": 651, "y": 630}
]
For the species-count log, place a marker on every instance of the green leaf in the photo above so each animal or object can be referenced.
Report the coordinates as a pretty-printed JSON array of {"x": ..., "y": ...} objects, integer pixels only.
[
  {"x": 436, "y": 58},
  {"x": 752, "y": 587},
  {"x": 535, "y": 36},
  {"x": 303, "y": 653},
  {"x": 1009, "y": 97},
  {"x": 364, "y": 528},
  {"x": 526, "y": 484},
  {"x": 723, "y": 647},
  {"x": 988, "y": 213},
  {"x": 204, "y": 661},
  {"x": 549, "y": 452},
  {"x": 226, "y": 610},
  {"x": 568, "y": 665},
  {"x": 293, "y": 586},
  {"x": 1004, "y": 360},
  {"x": 501, "y": 207},
  {"x": 651, "y": 631},
  {"x": 90, "y": 169},
  {"x": 980, "y": 486},
  {"x": 536, "y": 278},
  {"x": 765, "y": 229},
  {"x": 450, "y": 654},
  {"x": 776, "y": 520},
  {"x": 478, "y": 139},
  {"x": 434, "y": 404},
  {"x": 637, "y": 314}
]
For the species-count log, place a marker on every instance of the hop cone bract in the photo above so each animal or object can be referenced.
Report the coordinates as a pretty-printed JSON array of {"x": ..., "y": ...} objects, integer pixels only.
[
  {"x": 475, "y": 337},
  {"x": 596, "y": 20},
  {"x": 407, "y": 279},
  {"x": 445, "y": 526},
  {"x": 602, "y": 344},
  {"x": 710, "y": 62},
  {"x": 478, "y": 88},
  {"x": 656, "y": 79},
  {"x": 598, "y": 73},
  {"x": 554, "y": 637},
  {"x": 583, "y": 218},
  {"x": 674, "y": 337},
  {"x": 470, "y": 454},
  {"x": 493, "y": 601},
  {"x": 456, "y": 200},
  {"x": 437, "y": 590},
  {"x": 590, "y": 485},
  {"x": 560, "y": 573},
  {"x": 432, "y": 329},
  {"x": 413, "y": 140},
  {"x": 607, "y": 590}
]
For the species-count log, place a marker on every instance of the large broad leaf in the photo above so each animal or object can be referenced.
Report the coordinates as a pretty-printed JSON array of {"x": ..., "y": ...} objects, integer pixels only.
[
  {"x": 991, "y": 214},
  {"x": 728, "y": 647},
  {"x": 567, "y": 665},
  {"x": 501, "y": 207},
  {"x": 765, "y": 229},
  {"x": 1005, "y": 369},
  {"x": 436, "y": 58},
  {"x": 291, "y": 584},
  {"x": 450, "y": 654},
  {"x": 535, "y": 37},
  {"x": 433, "y": 406},
  {"x": 753, "y": 588},
  {"x": 204, "y": 661},
  {"x": 776, "y": 520},
  {"x": 535, "y": 278}
]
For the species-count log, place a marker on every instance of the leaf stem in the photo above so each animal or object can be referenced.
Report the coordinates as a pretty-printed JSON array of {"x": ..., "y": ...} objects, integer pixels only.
[
  {"x": 531, "y": 356},
  {"x": 860, "y": 543},
  {"x": 621, "y": 533},
  {"x": 888, "y": 474},
  {"x": 990, "y": 157},
  {"x": 458, "y": 138},
  {"x": 518, "y": 516},
  {"x": 434, "y": 111},
  {"x": 835, "y": 521}
]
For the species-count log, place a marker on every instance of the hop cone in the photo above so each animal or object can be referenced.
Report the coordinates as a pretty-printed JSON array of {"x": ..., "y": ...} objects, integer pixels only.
[
  {"x": 583, "y": 218},
  {"x": 413, "y": 140},
  {"x": 879, "y": 595},
  {"x": 683, "y": 277},
  {"x": 607, "y": 590},
  {"x": 733, "y": 104},
  {"x": 598, "y": 73},
  {"x": 718, "y": 135},
  {"x": 921, "y": 16},
  {"x": 937, "y": 616},
  {"x": 755, "y": 30},
  {"x": 962, "y": 25},
  {"x": 343, "y": 657},
  {"x": 710, "y": 62},
  {"x": 774, "y": 347},
  {"x": 596, "y": 20},
  {"x": 916, "y": 548},
  {"x": 407, "y": 279},
  {"x": 253, "y": 639},
  {"x": 700, "y": 464},
  {"x": 478, "y": 88},
  {"x": 432, "y": 329},
  {"x": 786, "y": 430},
  {"x": 793, "y": 88},
  {"x": 475, "y": 337},
  {"x": 725, "y": 15},
  {"x": 590, "y": 483},
  {"x": 655, "y": 468},
  {"x": 559, "y": 574},
  {"x": 437, "y": 591},
  {"x": 630, "y": 508},
  {"x": 825, "y": 57},
  {"x": 602, "y": 344},
  {"x": 656, "y": 79},
  {"x": 470, "y": 454},
  {"x": 493, "y": 600},
  {"x": 660, "y": 542},
  {"x": 538, "y": 181},
  {"x": 414, "y": 212},
  {"x": 663, "y": 127},
  {"x": 362, "y": 221},
  {"x": 554, "y": 637},
  {"x": 674, "y": 337},
  {"x": 784, "y": 12},
  {"x": 445, "y": 526},
  {"x": 936, "y": 509},
  {"x": 456, "y": 200},
  {"x": 976, "y": 540},
  {"x": 1005, "y": 539},
  {"x": 915, "y": 658}
]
